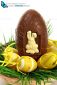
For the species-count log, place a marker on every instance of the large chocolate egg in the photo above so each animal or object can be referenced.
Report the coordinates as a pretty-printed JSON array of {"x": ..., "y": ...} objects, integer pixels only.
[{"x": 31, "y": 35}]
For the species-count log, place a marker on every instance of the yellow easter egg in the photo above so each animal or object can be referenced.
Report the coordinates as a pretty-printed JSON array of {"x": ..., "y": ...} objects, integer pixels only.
[
  {"x": 47, "y": 61},
  {"x": 55, "y": 42},
  {"x": 50, "y": 43},
  {"x": 11, "y": 58},
  {"x": 26, "y": 64},
  {"x": 52, "y": 46},
  {"x": 52, "y": 49},
  {"x": 10, "y": 49}
]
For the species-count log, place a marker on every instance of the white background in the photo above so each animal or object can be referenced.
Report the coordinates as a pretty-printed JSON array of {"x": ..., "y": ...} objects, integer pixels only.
[{"x": 9, "y": 17}]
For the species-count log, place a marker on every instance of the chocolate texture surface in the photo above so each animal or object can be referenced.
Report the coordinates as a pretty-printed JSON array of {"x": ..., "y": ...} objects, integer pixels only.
[{"x": 31, "y": 21}]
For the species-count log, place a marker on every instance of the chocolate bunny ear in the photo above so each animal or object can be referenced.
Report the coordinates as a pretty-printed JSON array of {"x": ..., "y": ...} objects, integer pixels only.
[
  {"x": 34, "y": 35},
  {"x": 29, "y": 34},
  {"x": 31, "y": 21}
]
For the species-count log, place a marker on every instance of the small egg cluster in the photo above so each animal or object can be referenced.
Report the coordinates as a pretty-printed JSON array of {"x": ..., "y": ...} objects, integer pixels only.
[
  {"x": 27, "y": 63},
  {"x": 23, "y": 63}
]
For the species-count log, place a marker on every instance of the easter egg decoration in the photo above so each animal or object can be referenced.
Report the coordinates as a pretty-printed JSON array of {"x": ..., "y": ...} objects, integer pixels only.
[
  {"x": 47, "y": 61},
  {"x": 31, "y": 47},
  {"x": 52, "y": 46},
  {"x": 10, "y": 49},
  {"x": 26, "y": 64},
  {"x": 10, "y": 59},
  {"x": 31, "y": 35}
]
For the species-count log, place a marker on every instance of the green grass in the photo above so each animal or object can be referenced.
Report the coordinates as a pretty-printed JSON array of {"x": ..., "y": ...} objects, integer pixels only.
[
  {"x": 49, "y": 27},
  {"x": 38, "y": 75}
]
